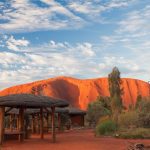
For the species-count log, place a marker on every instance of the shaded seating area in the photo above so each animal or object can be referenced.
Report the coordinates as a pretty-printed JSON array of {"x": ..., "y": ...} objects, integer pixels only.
[
  {"x": 12, "y": 122},
  {"x": 65, "y": 118},
  {"x": 23, "y": 102}
]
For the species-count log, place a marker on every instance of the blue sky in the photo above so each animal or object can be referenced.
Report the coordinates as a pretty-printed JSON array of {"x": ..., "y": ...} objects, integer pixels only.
[{"x": 40, "y": 39}]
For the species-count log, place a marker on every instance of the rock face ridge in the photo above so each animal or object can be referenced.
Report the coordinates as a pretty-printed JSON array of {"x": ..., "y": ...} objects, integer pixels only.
[{"x": 79, "y": 92}]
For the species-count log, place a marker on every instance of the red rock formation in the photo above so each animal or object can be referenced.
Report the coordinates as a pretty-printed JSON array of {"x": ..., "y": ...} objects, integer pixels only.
[{"x": 80, "y": 92}]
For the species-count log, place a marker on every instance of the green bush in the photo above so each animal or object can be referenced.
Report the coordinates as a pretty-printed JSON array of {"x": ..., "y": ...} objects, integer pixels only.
[
  {"x": 128, "y": 119},
  {"x": 98, "y": 109},
  {"x": 143, "y": 107},
  {"x": 138, "y": 133},
  {"x": 106, "y": 127}
]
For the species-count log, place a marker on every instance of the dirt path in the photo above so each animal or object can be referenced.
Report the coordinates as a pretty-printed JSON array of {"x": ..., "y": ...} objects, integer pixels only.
[{"x": 72, "y": 140}]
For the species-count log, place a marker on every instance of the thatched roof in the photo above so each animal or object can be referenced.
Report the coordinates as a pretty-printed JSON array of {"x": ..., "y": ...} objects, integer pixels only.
[
  {"x": 69, "y": 110},
  {"x": 31, "y": 111},
  {"x": 59, "y": 110},
  {"x": 76, "y": 111},
  {"x": 31, "y": 101},
  {"x": 15, "y": 111},
  {"x": 59, "y": 102}
]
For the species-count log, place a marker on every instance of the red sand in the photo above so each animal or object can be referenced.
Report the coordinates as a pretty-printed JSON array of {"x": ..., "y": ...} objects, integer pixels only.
[
  {"x": 80, "y": 92},
  {"x": 72, "y": 140}
]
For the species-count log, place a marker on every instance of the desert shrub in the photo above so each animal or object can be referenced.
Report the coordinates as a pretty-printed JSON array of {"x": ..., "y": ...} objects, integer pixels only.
[
  {"x": 128, "y": 119},
  {"x": 104, "y": 118},
  {"x": 138, "y": 133},
  {"x": 143, "y": 108},
  {"x": 144, "y": 120},
  {"x": 97, "y": 109},
  {"x": 106, "y": 127}
]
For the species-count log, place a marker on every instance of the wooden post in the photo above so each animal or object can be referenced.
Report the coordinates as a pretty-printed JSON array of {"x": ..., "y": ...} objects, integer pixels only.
[
  {"x": 2, "y": 113},
  {"x": 53, "y": 125},
  {"x": 26, "y": 124},
  {"x": 11, "y": 122},
  {"x": 47, "y": 120},
  {"x": 59, "y": 121},
  {"x": 38, "y": 123},
  {"x": 83, "y": 120},
  {"x": 17, "y": 122},
  {"x": 41, "y": 123},
  {"x": 33, "y": 124},
  {"x": 21, "y": 124}
]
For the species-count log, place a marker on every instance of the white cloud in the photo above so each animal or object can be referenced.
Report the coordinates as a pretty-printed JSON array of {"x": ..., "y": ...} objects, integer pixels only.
[
  {"x": 34, "y": 64},
  {"x": 11, "y": 58},
  {"x": 73, "y": 60},
  {"x": 26, "y": 16},
  {"x": 54, "y": 45},
  {"x": 86, "y": 49},
  {"x": 14, "y": 44},
  {"x": 132, "y": 40},
  {"x": 136, "y": 21},
  {"x": 123, "y": 63},
  {"x": 96, "y": 7},
  {"x": 63, "y": 58}
]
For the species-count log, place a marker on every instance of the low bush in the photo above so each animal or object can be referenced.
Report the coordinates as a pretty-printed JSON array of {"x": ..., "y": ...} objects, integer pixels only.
[
  {"x": 106, "y": 127},
  {"x": 138, "y": 133},
  {"x": 128, "y": 119},
  {"x": 143, "y": 108},
  {"x": 97, "y": 109},
  {"x": 104, "y": 118}
]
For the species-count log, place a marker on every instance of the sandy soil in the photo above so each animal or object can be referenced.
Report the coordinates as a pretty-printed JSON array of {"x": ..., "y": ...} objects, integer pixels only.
[{"x": 72, "y": 140}]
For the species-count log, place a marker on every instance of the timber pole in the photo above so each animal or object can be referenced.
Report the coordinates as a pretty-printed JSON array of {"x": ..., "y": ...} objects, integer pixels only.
[
  {"x": 59, "y": 121},
  {"x": 2, "y": 113},
  {"x": 53, "y": 125},
  {"x": 11, "y": 122},
  {"x": 41, "y": 123},
  {"x": 21, "y": 124},
  {"x": 47, "y": 120},
  {"x": 33, "y": 124},
  {"x": 17, "y": 122}
]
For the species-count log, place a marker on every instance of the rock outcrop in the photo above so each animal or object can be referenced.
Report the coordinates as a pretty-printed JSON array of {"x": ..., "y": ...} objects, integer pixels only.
[{"x": 81, "y": 92}]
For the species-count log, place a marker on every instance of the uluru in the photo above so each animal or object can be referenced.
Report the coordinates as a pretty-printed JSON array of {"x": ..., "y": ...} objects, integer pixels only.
[{"x": 80, "y": 92}]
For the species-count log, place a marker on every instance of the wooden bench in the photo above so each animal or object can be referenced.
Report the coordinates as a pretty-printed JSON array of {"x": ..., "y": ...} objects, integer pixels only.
[{"x": 11, "y": 135}]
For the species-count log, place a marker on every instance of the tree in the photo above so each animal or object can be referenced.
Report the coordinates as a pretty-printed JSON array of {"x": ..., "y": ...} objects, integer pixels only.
[
  {"x": 138, "y": 101},
  {"x": 97, "y": 109},
  {"x": 115, "y": 93}
]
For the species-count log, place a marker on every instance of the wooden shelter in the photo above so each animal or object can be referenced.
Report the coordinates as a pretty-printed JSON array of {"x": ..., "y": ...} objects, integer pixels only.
[
  {"x": 76, "y": 116},
  {"x": 59, "y": 111},
  {"x": 24, "y": 101},
  {"x": 33, "y": 113}
]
